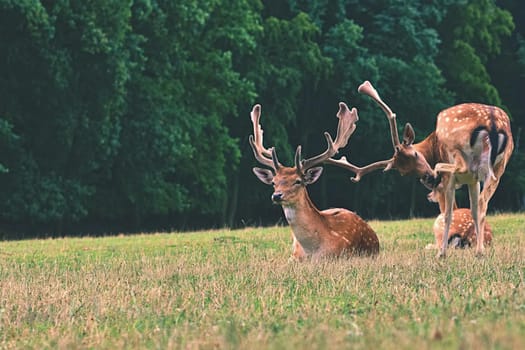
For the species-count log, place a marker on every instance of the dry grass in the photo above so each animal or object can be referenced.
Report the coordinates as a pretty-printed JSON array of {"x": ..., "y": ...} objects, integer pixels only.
[{"x": 236, "y": 289}]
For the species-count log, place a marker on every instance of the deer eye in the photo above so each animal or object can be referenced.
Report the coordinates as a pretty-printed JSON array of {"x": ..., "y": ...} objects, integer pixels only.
[
  {"x": 297, "y": 182},
  {"x": 416, "y": 154}
]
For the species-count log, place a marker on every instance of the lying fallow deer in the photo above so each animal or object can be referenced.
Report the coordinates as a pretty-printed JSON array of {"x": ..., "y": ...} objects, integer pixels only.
[
  {"x": 462, "y": 232},
  {"x": 316, "y": 234},
  {"x": 472, "y": 143}
]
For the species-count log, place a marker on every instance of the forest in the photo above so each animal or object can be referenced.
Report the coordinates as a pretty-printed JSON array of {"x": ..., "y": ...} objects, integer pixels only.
[{"x": 126, "y": 116}]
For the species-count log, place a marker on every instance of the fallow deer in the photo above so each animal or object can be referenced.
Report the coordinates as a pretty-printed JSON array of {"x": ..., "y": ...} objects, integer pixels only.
[
  {"x": 462, "y": 232},
  {"x": 472, "y": 143},
  {"x": 316, "y": 234}
]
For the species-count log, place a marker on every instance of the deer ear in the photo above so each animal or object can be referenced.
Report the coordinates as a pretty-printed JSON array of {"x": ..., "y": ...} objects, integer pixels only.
[
  {"x": 408, "y": 135},
  {"x": 312, "y": 175},
  {"x": 264, "y": 175}
]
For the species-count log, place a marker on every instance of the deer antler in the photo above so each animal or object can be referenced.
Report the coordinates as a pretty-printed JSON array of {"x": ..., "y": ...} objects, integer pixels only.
[
  {"x": 264, "y": 156},
  {"x": 361, "y": 171},
  {"x": 345, "y": 129},
  {"x": 367, "y": 89}
]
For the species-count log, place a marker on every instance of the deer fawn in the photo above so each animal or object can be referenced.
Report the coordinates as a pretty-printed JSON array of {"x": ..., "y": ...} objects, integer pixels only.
[
  {"x": 316, "y": 234},
  {"x": 472, "y": 143},
  {"x": 461, "y": 233}
]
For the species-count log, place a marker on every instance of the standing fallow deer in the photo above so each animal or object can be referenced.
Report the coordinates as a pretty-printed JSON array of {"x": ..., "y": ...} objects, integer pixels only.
[
  {"x": 316, "y": 234},
  {"x": 472, "y": 143}
]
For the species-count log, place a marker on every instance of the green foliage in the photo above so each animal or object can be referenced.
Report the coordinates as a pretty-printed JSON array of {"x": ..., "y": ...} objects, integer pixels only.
[
  {"x": 475, "y": 77},
  {"x": 286, "y": 73},
  {"x": 133, "y": 111},
  {"x": 128, "y": 107},
  {"x": 353, "y": 63},
  {"x": 482, "y": 24},
  {"x": 521, "y": 53},
  {"x": 63, "y": 79},
  {"x": 7, "y": 139},
  {"x": 404, "y": 21},
  {"x": 471, "y": 34}
]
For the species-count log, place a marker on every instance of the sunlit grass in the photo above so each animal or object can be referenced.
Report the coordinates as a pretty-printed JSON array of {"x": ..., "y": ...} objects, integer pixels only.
[{"x": 237, "y": 289}]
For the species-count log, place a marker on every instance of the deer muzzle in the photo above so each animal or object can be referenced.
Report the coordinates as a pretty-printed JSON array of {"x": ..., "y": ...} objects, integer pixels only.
[{"x": 277, "y": 197}]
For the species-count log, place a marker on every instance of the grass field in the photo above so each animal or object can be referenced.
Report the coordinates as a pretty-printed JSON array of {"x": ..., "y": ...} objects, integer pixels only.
[{"x": 236, "y": 289}]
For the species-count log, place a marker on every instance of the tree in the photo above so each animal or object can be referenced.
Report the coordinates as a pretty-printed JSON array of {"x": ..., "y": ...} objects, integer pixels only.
[
  {"x": 472, "y": 33},
  {"x": 507, "y": 71},
  {"x": 63, "y": 75},
  {"x": 136, "y": 113},
  {"x": 358, "y": 39},
  {"x": 177, "y": 151}
]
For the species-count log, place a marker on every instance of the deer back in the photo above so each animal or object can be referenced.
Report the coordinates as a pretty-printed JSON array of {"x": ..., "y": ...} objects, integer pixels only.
[{"x": 460, "y": 127}]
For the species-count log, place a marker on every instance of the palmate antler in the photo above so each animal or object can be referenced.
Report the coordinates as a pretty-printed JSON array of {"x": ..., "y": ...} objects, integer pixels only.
[
  {"x": 360, "y": 171},
  {"x": 263, "y": 155},
  {"x": 367, "y": 89},
  {"x": 345, "y": 128}
]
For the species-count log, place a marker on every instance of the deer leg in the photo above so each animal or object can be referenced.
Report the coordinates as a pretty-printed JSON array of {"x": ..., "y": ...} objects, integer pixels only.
[
  {"x": 477, "y": 215},
  {"x": 445, "y": 168},
  {"x": 298, "y": 253},
  {"x": 457, "y": 166},
  {"x": 489, "y": 187},
  {"x": 450, "y": 190},
  {"x": 461, "y": 165}
]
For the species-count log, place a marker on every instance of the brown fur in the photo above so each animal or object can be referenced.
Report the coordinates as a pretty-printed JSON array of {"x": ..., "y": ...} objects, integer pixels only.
[
  {"x": 317, "y": 234},
  {"x": 451, "y": 151},
  {"x": 462, "y": 227}
]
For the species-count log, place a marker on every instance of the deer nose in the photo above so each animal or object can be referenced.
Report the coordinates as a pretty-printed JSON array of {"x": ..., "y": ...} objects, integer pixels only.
[{"x": 277, "y": 197}]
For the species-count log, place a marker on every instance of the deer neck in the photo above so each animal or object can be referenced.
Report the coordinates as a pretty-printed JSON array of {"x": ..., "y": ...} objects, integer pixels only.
[
  {"x": 431, "y": 149},
  {"x": 301, "y": 211},
  {"x": 305, "y": 221},
  {"x": 434, "y": 152}
]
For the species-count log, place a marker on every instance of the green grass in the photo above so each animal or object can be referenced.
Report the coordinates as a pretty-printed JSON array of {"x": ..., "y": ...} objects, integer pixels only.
[{"x": 237, "y": 289}]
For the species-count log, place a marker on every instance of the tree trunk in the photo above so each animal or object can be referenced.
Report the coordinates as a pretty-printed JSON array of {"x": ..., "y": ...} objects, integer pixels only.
[
  {"x": 412, "y": 199},
  {"x": 234, "y": 199}
]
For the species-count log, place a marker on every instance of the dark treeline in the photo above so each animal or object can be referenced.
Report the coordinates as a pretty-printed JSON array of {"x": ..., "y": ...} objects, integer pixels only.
[{"x": 134, "y": 115}]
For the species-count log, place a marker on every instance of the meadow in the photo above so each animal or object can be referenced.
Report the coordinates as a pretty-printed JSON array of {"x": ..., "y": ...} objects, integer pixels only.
[{"x": 229, "y": 289}]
